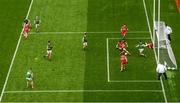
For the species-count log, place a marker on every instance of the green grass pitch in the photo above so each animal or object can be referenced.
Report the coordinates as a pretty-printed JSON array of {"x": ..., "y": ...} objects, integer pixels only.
[{"x": 93, "y": 75}]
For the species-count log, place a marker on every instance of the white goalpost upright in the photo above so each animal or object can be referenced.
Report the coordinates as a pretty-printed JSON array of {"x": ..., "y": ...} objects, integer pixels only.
[
  {"x": 154, "y": 16},
  {"x": 158, "y": 37},
  {"x": 162, "y": 46}
]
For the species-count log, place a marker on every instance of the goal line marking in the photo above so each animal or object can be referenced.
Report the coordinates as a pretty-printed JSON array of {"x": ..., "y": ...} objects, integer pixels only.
[
  {"x": 150, "y": 32},
  {"x": 130, "y": 32},
  {"x": 74, "y": 91}
]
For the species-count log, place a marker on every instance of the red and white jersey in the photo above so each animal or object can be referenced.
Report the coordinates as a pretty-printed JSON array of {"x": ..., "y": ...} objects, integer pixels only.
[
  {"x": 123, "y": 59},
  {"x": 121, "y": 44},
  {"x": 150, "y": 45},
  {"x": 26, "y": 27},
  {"x": 124, "y": 29}
]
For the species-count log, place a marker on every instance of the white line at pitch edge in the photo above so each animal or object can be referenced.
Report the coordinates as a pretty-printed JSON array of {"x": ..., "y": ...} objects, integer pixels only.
[{"x": 17, "y": 46}]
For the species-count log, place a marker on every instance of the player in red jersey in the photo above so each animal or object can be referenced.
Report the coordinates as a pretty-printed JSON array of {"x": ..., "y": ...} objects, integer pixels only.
[
  {"x": 124, "y": 30},
  {"x": 121, "y": 45},
  {"x": 124, "y": 61},
  {"x": 26, "y": 29},
  {"x": 149, "y": 45}
]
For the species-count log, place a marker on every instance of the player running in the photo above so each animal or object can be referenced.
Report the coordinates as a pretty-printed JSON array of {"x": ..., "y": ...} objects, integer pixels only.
[
  {"x": 124, "y": 30},
  {"x": 49, "y": 50},
  {"x": 26, "y": 28},
  {"x": 121, "y": 45},
  {"x": 25, "y": 20},
  {"x": 149, "y": 45},
  {"x": 37, "y": 22},
  {"x": 124, "y": 61},
  {"x": 85, "y": 41},
  {"x": 141, "y": 47},
  {"x": 29, "y": 78}
]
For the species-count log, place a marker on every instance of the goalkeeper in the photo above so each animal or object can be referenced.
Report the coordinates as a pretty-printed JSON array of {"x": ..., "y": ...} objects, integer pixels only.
[{"x": 141, "y": 47}]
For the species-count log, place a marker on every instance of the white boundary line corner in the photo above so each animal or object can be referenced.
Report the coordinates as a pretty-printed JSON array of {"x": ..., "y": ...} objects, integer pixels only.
[{"x": 108, "y": 67}]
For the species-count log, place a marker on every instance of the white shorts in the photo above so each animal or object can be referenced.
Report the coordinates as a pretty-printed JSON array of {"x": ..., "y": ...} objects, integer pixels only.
[
  {"x": 85, "y": 44},
  {"x": 36, "y": 25},
  {"x": 141, "y": 50},
  {"x": 25, "y": 34},
  {"x": 29, "y": 79},
  {"x": 49, "y": 51}
]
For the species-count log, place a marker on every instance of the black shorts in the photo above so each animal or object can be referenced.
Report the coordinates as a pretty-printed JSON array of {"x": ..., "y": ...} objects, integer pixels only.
[{"x": 169, "y": 37}]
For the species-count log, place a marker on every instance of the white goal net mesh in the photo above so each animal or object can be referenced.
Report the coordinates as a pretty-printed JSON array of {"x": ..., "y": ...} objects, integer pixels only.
[{"x": 163, "y": 47}]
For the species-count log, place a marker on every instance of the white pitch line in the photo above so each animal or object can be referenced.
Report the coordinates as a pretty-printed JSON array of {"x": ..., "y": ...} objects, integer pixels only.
[
  {"x": 164, "y": 93},
  {"x": 139, "y": 38},
  {"x": 137, "y": 81},
  {"x": 17, "y": 46},
  {"x": 75, "y": 91},
  {"x": 154, "y": 16},
  {"x": 108, "y": 71},
  {"x": 162, "y": 85},
  {"x": 107, "y": 47},
  {"x": 130, "y": 32},
  {"x": 147, "y": 18}
]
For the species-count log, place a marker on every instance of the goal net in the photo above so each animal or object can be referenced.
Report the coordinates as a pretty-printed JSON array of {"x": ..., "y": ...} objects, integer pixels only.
[{"x": 162, "y": 46}]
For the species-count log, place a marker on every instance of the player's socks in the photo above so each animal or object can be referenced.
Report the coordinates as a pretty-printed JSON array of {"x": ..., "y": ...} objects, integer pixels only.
[
  {"x": 145, "y": 55},
  {"x": 27, "y": 85},
  {"x": 142, "y": 55},
  {"x": 129, "y": 53},
  {"x": 37, "y": 30}
]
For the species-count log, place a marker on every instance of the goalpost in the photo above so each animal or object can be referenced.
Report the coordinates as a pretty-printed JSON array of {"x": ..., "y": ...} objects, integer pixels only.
[{"x": 161, "y": 43}]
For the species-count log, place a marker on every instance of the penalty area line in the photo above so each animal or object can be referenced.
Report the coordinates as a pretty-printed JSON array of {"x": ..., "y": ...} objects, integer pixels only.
[
  {"x": 108, "y": 67},
  {"x": 74, "y": 91},
  {"x": 130, "y": 32},
  {"x": 107, "y": 51}
]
